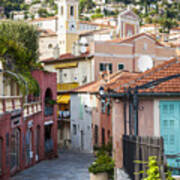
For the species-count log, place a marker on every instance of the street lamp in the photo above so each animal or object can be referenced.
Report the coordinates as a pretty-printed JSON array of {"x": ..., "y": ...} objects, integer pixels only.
[{"x": 101, "y": 90}]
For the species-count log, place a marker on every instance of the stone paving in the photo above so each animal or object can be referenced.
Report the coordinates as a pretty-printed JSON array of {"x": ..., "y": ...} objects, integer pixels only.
[{"x": 69, "y": 166}]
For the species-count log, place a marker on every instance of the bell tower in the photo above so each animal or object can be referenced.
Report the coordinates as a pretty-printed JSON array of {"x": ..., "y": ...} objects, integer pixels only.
[{"x": 68, "y": 27}]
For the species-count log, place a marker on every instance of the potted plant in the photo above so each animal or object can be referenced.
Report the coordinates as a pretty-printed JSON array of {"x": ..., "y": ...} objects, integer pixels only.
[
  {"x": 102, "y": 167},
  {"x": 50, "y": 102}
]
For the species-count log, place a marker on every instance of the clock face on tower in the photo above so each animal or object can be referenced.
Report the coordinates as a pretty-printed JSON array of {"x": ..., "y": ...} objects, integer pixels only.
[{"x": 72, "y": 27}]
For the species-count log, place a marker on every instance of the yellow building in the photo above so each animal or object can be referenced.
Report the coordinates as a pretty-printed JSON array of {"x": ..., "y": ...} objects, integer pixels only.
[
  {"x": 72, "y": 71},
  {"x": 68, "y": 26}
]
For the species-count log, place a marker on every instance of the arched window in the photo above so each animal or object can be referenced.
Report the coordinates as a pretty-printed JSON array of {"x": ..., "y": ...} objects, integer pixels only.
[
  {"x": 49, "y": 102},
  {"x": 72, "y": 10},
  {"x": 62, "y": 10}
]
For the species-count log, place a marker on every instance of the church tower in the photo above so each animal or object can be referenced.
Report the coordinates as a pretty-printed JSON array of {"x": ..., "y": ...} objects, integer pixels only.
[{"x": 68, "y": 27}]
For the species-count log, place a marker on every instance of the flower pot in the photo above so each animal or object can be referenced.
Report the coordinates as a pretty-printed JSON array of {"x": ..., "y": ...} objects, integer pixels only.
[{"x": 99, "y": 176}]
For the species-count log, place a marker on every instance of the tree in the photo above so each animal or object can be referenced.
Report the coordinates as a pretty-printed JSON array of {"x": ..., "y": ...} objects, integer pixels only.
[
  {"x": 43, "y": 12},
  {"x": 85, "y": 5},
  {"x": 19, "y": 52},
  {"x": 12, "y": 5}
]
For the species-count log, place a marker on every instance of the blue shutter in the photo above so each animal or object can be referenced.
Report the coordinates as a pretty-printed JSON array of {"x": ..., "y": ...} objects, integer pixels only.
[{"x": 169, "y": 128}]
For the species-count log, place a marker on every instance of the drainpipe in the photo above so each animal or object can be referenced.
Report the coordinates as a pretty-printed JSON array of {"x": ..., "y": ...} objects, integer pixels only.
[
  {"x": 134, "y": 60},
  {"x": 130, "y": 111},
  {"x": 125, "y": 119},
  {"x": 135, "y": 113}
]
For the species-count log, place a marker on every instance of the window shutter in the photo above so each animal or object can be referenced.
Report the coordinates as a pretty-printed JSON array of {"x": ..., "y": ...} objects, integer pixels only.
[
  {"x": 120, "y": 66},
  {"x": 110, "y": 68},
  {"x": 101, "y": 67}
]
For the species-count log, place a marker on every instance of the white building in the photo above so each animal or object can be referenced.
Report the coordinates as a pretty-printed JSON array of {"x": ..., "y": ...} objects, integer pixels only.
[
  {"x": 50, "y": 23},
  {"x": 48, "y": 43},
  {"x": 81, "y": 122}
]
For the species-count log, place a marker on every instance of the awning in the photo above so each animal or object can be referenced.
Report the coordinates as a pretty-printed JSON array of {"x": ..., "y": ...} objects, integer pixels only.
[
  {"x": 46, "y": 123},
  {"x": 63, "y": 99},
  {"x": 66, "y": 65}
]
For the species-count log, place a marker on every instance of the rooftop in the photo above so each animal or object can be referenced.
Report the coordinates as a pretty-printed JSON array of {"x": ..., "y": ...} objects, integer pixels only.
[
  {"x": 168, "y": 68},
  {"x": 44, "y": 19},
  {"x": 108, "y": 81},
  {"x": 46, "y": 33},
  {"x": 65, "y": 57},
  {"x": 130, "y": 39}
]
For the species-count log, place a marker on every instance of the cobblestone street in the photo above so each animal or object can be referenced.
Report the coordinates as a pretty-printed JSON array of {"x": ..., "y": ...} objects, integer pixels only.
[{"x": 69, "y": 166}]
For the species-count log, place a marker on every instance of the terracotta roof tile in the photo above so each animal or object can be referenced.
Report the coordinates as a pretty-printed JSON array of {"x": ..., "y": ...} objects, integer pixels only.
[
  {"x": 130, "y": 39},
  {"x": 67, "y": 56},
  {"x": 96, "y": 24},
  {"x": 44, "y": 19},
  {"x": 46, "y": 33},
  {"x": 169, "y": 68},
  {"x": 109, "y": 81}
]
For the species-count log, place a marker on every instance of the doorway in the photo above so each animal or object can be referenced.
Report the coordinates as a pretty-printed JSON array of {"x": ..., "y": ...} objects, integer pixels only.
[
  {"x": 15, "y": 149},
  {"x": 82, "y": 140},
  {"x": 48, "y": 138}
]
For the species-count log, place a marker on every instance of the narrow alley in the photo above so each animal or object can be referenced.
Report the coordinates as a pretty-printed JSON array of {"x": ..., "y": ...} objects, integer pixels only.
[{"x": 69, "y": 166}]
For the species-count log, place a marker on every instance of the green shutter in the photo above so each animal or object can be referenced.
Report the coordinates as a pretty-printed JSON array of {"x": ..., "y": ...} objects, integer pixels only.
[{"x": 110, "y": 68}]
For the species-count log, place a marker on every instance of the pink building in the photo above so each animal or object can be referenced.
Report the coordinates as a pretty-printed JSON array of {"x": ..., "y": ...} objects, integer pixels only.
[
  {"x": 28, "y": 132},
  {"x": 127, "y": 54},
  {"x": 147, "y": 104}
]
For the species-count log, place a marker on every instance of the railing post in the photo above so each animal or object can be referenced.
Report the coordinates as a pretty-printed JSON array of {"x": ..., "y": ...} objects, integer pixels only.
[{"x": 137, "y": 144}]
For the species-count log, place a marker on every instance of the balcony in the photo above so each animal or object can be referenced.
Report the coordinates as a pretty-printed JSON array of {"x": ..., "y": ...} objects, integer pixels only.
[
  {"x": 48, "y": 110},
  {"x": 32, "y": 108},
  {"x": 67, "y": 86},
  {"x": 10, "y": 103},
  {"x": 64, "y": 116}
]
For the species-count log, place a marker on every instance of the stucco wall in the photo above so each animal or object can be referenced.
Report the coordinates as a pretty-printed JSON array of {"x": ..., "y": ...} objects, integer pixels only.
[
  {"x": 76, "y": 74},
  {"x": 46, "y": 46},
  {"x": 82, "y": 118},
  {"x": 129, "y": 53}
]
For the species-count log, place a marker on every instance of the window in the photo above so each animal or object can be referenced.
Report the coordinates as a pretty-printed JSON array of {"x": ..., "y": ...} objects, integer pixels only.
[
  {"x": 120, "y": 66},
  {"x": 72, "y": 27},
  {"x": 102, "y": 67},
  {"x": 96, "y": 134},
  {"x": 109, "y": 134},
  {"x": 145, "y": 46},
  {"x": 60, "y": 76},
  {"x": 81, "y": 114},
  {"x": 103, "y": 136},
  {"x": 105, "y": 67},
  {"x": 110, "y": 67},
  {"x": 129, "y": 32},
  {"x": 108, "y": 109},
  {"x": 103, "y": 106},
  {"x": 72, "y": 11},
  {"x": 74, "y": 129},
  {"x": 171, "y": 140},
  {"x": 171, "y": 108},
  {"x": 62, "y": 10},
  {"x": 50, "y": 46}
]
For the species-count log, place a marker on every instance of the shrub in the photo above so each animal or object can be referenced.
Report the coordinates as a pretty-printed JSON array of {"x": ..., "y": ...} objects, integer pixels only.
[
  {"x": 103, "y": 163},
  {"x": 153, "y": 172}
]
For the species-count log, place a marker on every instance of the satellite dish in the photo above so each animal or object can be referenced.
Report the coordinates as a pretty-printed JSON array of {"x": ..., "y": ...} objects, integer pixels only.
[
  {"x": 83, "y": 49},
  {"x": 83, "y": 41},
  {"x": 145, "y": 63}
]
